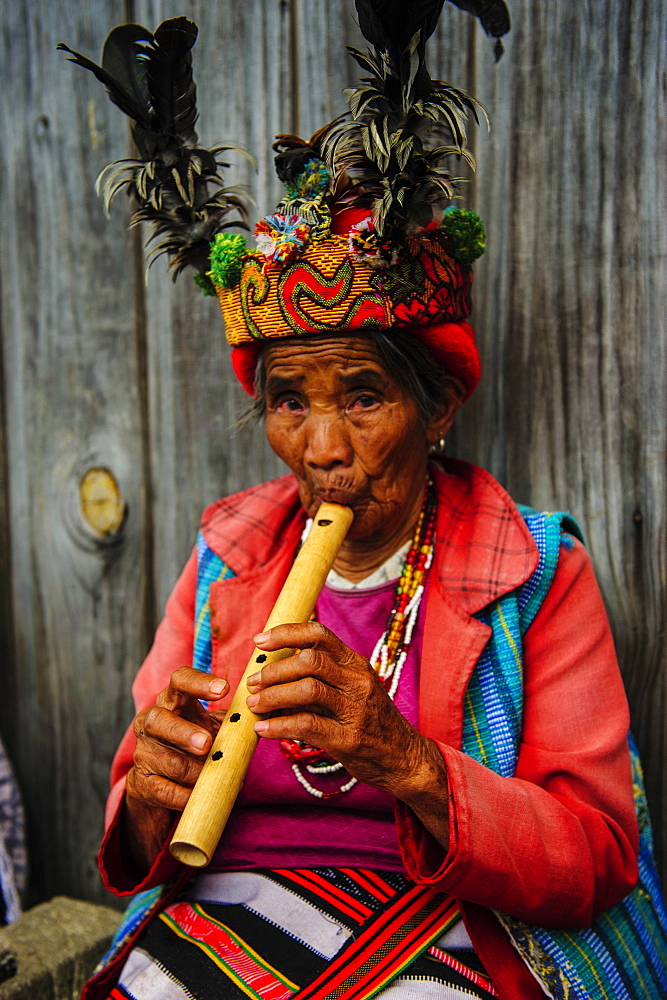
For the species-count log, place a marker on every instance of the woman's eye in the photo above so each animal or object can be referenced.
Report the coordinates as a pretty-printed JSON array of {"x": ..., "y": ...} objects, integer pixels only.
[
  {"x": 289, "y": 404},
  {"x": 364, "y": 401}
]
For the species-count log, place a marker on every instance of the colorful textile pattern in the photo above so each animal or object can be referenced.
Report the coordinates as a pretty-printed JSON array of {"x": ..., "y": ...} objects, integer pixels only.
[
  {"x": 209, "y": 569},
  {"x": 624, "y": 955},
  {"x": 307, "y": 934},
  {"x": 140, "y": 909},
  {"x": 626, "y": 950},
  {"x": 493, "y": 703},
  {"x": 328, "y": 288}
]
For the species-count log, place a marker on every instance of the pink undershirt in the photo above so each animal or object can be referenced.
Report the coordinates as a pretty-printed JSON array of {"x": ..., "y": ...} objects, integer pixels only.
[{"x": 276, "y": 823}]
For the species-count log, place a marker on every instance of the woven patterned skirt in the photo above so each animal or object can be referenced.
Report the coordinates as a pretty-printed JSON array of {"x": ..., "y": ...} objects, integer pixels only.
[{"x": 306, "y": 933}]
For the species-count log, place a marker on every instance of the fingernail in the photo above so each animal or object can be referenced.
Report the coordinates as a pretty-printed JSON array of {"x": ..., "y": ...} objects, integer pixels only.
[
  {"x": 255, "y": 679},
  {"x": 252, "y": 700},
  {"x": 261, "y": 727},
  {"x": 217, "y": 685},
  {"x": 199, "y": 740},
  {"x": 260, "y": 637}
]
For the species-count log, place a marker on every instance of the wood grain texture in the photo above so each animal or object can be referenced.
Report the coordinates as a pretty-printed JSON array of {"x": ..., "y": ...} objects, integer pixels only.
[
  {"x": 71, "y": 397},
  {"x": 242, "y": 67}
]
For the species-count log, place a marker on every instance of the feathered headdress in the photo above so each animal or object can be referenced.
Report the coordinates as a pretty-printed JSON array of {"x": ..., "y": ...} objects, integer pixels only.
[
  {"x": 177, "y": 185},
  {"x": 362, "y": 237}
]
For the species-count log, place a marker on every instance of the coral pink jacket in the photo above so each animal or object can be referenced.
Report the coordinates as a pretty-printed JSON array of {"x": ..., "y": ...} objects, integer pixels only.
[{"x": 554, "y": 845}]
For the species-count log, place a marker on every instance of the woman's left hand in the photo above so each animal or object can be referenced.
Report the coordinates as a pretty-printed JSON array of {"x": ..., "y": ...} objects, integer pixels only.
[{"x": 330, "y": 697}]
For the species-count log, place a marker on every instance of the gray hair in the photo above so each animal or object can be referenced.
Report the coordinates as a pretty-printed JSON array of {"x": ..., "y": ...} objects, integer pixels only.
[{"x": 406, "y": 360}]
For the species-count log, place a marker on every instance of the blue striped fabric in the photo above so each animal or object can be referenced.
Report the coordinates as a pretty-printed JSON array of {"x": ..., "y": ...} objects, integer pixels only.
[
  {"x": 548, "y": 531},
  {"x": 623, "y": 956},
  {"x": 139, "y": 910},
  {"x": 493, "y": 705},
  {"x": 210, "y": 569}
]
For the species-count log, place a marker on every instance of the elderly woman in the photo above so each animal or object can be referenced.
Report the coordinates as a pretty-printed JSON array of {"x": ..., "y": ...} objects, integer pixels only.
[
  {"x": 505, "y": 800},
  {"x": 441, "y": 804}
]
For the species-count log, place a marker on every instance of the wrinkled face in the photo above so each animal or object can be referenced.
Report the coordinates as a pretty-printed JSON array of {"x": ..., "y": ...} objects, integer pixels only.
[{"x": 347, "y": 431}]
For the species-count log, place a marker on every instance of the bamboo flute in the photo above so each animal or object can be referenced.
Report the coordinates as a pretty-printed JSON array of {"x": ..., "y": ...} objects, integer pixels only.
[{"x": 220, "y": 780}]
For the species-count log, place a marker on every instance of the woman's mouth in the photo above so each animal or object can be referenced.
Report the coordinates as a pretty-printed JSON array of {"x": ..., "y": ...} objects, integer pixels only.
[{"x": 333, "y": 494}]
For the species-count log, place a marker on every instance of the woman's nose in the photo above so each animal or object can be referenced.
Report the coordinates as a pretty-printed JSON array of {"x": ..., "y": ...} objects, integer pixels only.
[{"x": 327, "y": 444}]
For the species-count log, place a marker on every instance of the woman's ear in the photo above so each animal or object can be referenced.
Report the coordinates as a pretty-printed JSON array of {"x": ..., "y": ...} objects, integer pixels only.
[{"x": 441, "y": 422}]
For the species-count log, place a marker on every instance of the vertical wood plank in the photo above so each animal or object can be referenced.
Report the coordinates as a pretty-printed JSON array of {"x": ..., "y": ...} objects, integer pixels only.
[
  {"x": 242, "y": 70},
  {"x": 71, "y": 396},
  {"x": 322, "y": 67}
]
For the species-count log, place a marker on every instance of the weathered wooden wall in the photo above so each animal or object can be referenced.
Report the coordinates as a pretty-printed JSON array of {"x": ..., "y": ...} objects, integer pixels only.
[{"x": 101, "y": 370}]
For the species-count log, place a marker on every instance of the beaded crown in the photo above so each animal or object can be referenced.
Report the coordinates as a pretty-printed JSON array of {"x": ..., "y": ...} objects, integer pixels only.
[{"x": 329, "y": 285}]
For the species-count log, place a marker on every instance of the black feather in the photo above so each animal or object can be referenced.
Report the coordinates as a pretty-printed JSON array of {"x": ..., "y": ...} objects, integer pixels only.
[
  {"x": 149, "y": 77},
  {"x": 170, "y": 80},
  {"x": 389, "y": 150},
  {"x": 493, "y": 16},
  {"x": 400, "y": 30},
  {"x": 120, "y": 71}
]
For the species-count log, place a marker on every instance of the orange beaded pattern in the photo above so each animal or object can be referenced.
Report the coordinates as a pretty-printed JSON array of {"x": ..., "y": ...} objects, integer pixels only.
[
  {"x": 329, "y": 288},
  {"x": 392, "y": 649}
]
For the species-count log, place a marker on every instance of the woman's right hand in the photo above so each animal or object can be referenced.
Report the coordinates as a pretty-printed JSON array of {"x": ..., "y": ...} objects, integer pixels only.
[{"x": 174, "y": 737}]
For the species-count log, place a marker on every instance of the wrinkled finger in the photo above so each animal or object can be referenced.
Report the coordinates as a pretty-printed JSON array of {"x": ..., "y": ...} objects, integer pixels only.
[
  {"x": 157, "y": 791},
  {"x": 188, "y": 685},
  {"x": 302, "y": 636},
  {"x": 217, "y": 716},
  {"x": 303, "y": 663},
  {"x": 306, "y": 692},
  {"x": 329, "y": 659},
  {"x": 167, "y": 762},
  {"x": 166, "y": 727},
  {"x": 306, "y": 726}
]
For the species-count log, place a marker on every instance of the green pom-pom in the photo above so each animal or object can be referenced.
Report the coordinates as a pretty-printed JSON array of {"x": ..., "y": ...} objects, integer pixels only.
[
  {"x": 466, "y": 231},
  {"x": 203, "y": 282},
  {"x": 227, "y": 251}
]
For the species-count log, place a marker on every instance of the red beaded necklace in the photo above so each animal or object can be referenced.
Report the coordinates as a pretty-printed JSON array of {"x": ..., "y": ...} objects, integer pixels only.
[{"x": 391, "y": 650}]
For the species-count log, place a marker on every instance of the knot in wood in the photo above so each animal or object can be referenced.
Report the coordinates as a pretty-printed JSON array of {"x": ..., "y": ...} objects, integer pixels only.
[{"x": 102, "y": 505}]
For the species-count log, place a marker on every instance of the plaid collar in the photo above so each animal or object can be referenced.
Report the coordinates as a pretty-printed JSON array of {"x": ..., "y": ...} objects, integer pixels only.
[
  {"x": 246, "y": 530},
  {"x": 483, "y": 547}
]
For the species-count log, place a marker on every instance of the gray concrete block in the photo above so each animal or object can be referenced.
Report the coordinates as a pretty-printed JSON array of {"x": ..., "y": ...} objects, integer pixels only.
[{"x": 57, "y": 945}]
